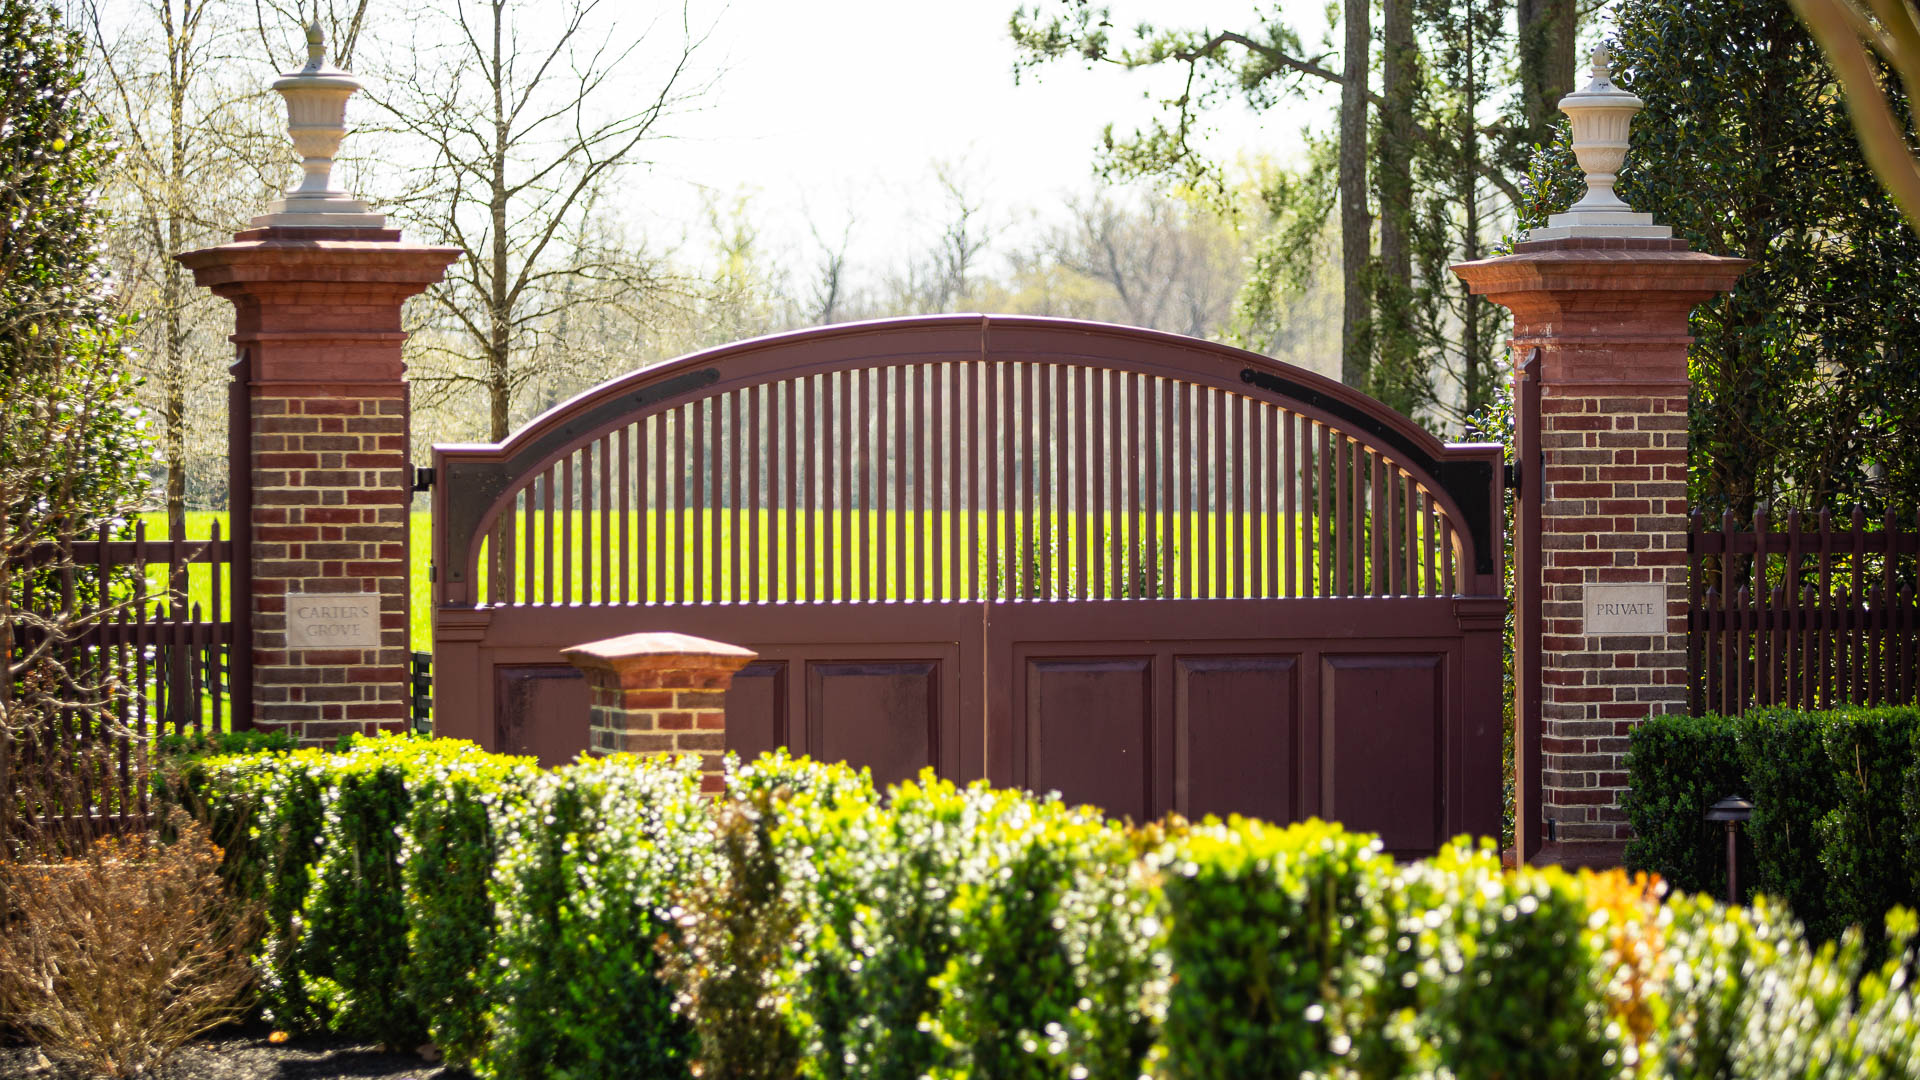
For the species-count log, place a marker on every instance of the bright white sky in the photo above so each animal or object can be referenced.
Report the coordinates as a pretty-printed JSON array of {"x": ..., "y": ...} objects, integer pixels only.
[{"x": 827, "y": 109}]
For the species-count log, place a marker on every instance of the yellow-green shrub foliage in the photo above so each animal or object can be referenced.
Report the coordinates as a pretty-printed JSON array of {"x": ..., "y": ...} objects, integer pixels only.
[
  {"x": 588, "y": 867},
  {"x": 1050, "y": 960},
  {"x": 1268, "y": 931},
  {"x": 1501, "y": 970}
]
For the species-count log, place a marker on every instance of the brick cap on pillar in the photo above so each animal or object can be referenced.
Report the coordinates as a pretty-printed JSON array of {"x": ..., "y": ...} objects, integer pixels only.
[
  {"x": 655, "y": 650},
  {"x": 375, "y": 257},
  {"x": 1608, "y": 312}
]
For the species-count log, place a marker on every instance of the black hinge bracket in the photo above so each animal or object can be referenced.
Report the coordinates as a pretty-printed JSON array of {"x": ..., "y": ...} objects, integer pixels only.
[{"x": 422, "y": 477}]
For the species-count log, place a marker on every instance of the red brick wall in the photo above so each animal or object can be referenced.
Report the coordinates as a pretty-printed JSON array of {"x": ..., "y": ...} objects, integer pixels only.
[
  {"x": 330, "y": 515},
  {"x": 1609, "y": 319},
  {"x": 317, "y": 321},
  {"x": 1615, "y": 510}
]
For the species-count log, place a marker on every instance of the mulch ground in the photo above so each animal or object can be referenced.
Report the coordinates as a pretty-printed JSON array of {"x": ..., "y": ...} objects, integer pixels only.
[{"x": 243, "y": 1053}]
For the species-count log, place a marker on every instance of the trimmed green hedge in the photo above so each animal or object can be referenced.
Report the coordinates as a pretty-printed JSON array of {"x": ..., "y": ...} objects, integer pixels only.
[
  {"x": 1836, "y": 808},
  {"x": 604, "y": 919}
]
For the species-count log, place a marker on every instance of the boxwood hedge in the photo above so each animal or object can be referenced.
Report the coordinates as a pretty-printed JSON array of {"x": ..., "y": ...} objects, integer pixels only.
[
  {"x": 1835, "y": 831},
  {"x": 604, "y": 919}
]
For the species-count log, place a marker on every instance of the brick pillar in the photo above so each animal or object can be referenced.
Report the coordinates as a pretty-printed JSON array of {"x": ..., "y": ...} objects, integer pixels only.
[
  {"x": 660, "y": 693},
  {"x": 325, "y": 434},
  {"x": 1609, "y": 318}
]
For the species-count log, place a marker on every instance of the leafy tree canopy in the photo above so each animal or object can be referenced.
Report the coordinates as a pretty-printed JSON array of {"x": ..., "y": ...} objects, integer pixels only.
[{"x": 1806, "y": 379}]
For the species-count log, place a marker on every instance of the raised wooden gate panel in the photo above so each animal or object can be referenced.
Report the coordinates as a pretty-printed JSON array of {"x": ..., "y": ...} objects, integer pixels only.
[{"x": 1153, "y": 573}]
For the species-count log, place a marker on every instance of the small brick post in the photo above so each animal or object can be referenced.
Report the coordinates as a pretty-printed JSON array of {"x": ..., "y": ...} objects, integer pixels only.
[
  {"x": 656, "y": 693},
  {"x": 1604, "y": 296},
  {"x": 320, "y": 480}
]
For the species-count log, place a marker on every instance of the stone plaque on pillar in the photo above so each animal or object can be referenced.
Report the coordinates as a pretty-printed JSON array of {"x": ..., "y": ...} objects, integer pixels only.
[
  {"x": 333, "y": 621},
  {"x": 1624, "y": 609}
]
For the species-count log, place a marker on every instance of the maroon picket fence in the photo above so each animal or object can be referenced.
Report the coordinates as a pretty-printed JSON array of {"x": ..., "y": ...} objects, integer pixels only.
[
  {"x": 1808, "y": 615},
  {"x": 146, "y": 661}
]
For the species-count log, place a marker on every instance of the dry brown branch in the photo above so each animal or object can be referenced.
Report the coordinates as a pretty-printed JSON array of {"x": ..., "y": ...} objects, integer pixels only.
[{"x": 112, "y": 961}]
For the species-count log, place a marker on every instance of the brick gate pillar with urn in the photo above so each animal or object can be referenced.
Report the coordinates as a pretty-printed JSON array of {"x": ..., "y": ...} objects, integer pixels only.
[
  {"x": 1601, "y": 299},
  {"x": 319, "y": 482}
]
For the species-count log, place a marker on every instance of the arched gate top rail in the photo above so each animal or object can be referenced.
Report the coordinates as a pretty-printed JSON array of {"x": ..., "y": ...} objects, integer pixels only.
[{"x": 476, "y": 484}]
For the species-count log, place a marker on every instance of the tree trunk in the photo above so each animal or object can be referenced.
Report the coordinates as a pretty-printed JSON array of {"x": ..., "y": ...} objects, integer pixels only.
[
  {"x": 1546, "y": 62},
  {"x": 499, "y": 315},
  {"x": 1476, "y": 380},
  {"x": 1400, "y": 64},
  {"x": 173, "y": 293},
  {"x": 1356, "y": 224}
]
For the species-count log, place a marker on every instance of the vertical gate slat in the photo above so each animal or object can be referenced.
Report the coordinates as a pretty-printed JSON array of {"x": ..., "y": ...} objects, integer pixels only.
[
  {"x": 1357, "y": 522},
  {"x": 969, "y": 546},
  {"x": 568, "y": 594},
  {"x": 790, "y": 492},
  {"x": 1290, "y": 482},
  {"x": 1323, "y": 548},
  {"x": 1793, "y": 658},
  {"x": 1018, "y": 514},
  {"x": 218, "y": 560},
  {"x": 731, "y": 525},
  {"x": 1234, "y": 468},
  {"x": 809, "y": 474},
  {"x": 1213, "y": 406},
  {"x": 1343, "y": 517},
  {"x": 1449, "y": 555},
  {"x": 863, "y": 464},
  {"x": 662, "y": 506},
  {"x": 1047, "y": 501},
  {"x": 1082, "y": 502},
  {"x": 713, "y": 521},
  {"x": 1096, "y": 483},
  {"x": 1137, "y": 569},
  {"x": 627, "y": 544},
  {"x": 915, "y": 466},
  {"x": 1114, "y": 463},
  {"x": 1190, "y": 559},
  {"x": 1857, "y": 595},
  {"x": 1163, "y": 527},
  {"x": 838, "y": 426},
  {"x": 1020, "y": 485},
  {"x": 939, "y": 521}
]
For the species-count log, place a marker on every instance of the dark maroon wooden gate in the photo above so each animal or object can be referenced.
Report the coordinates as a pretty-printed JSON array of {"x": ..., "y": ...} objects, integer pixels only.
[{"x": 1151, "y": 572}]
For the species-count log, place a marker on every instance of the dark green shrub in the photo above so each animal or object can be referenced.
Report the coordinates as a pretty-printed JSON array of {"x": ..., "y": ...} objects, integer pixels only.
[
  {"x": 1677, "y": 767},
  {"x": 450, "y": 847},
  {"x": 1266, "y": 930},
  {"x": 588, "y": 867},
  {"x": 1863, "y": 843},
  {"x": 1793, "y": 788},
  {"x": 281, "y": 796},
  {"x": 353, "y": 947}
]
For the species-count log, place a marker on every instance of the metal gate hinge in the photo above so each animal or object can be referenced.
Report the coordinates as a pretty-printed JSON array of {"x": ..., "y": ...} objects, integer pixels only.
[
  {"x": 422, "y": 477},
  {"x": 1511, "y": 476}
]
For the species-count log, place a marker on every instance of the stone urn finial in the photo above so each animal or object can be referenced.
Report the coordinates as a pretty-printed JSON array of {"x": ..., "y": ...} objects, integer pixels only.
[
  {"x": 317, "y": 119},
  {"x": 1602, "y": 114}
]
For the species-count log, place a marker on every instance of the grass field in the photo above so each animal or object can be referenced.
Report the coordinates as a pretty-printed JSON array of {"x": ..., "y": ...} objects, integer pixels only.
[{"x": 849, "y": 555}]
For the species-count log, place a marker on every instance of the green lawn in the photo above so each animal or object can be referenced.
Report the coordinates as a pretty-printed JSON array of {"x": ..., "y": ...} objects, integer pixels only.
[{"x": 863, "y": 537}]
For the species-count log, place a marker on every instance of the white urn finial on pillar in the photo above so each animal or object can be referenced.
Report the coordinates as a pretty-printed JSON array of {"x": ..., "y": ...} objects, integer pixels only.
[
  {"x": 1602, "y": 114},
  {"x": 317, "y": 119}
]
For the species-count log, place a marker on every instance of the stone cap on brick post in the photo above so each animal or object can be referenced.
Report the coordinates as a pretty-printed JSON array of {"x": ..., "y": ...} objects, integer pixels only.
[{"x": 658, "y": 693}]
